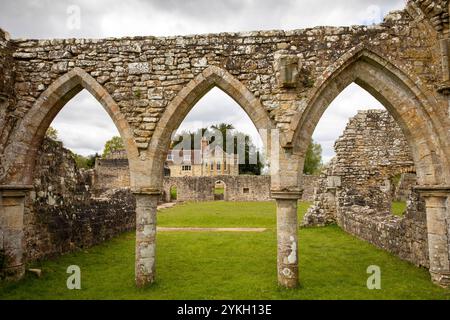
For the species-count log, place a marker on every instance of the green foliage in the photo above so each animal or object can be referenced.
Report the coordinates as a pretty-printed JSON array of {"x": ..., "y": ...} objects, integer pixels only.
[
  {"x": 313, "y": 159},
  {"x": 52, "y": 133},
  {"x": 138, "y": 93},
  {"x": 333, "y": 263},
  {"x": 85, "y": 162},
  {"x": 173, "y": 193},
  {"x": 115, "y": 144},
  {"x": 398, "y": 208}
]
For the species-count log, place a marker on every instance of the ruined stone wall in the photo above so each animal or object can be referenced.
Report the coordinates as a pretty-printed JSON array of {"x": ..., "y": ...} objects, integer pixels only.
[
  {"x": 237, "y": 188},
  {"x": 357, "y": 188},
  {"x": 7, "y": 94},
  {"x": 115, "y": 173},
  {"x": 111, "y": 174},
  {"x": 61, "y": 213}
]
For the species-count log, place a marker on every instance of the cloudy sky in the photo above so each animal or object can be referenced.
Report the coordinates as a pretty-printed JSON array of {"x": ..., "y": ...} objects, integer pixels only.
[{"x": 84, "y": 126}]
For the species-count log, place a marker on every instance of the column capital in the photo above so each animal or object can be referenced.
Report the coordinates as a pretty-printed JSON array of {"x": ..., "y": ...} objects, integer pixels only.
[
  {"x": 147, "y": 191},
  {"x": 433, "y": 191},
  {"x": 15, "y": 190},
  {"x": 286, "y": 194}
]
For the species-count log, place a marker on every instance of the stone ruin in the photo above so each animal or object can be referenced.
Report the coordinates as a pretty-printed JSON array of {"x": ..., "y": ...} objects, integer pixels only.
[
  {"x": 66, "y": 210},
  {"x": 284, "y": 80},
  {"x": 372, "y": 168}
]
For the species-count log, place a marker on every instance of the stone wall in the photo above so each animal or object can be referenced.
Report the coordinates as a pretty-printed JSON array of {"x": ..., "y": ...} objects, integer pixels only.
[
  {"x": 237, "y": 188},
  {"x": 7, "y": 94},
  {"x": 62, "y": 214},
  {"x": 111, "y": 174},
  {"x": 114, "y": 173},
  {"x": 358, "y": 186}
]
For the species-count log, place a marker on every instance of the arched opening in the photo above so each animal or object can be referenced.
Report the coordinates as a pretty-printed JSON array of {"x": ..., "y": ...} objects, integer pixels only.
[
  {"x": 202, "y": 156},
  {"x": 57, "y": 159},
  {"x": 212, "y": 79},
  {"x": 33, "y": 128},
  {"x": 357, "y": 188},
  {"x": 397, "y": 93},
  {"x": 220, "y": 189},
  {"x": 173, "y": 191}
]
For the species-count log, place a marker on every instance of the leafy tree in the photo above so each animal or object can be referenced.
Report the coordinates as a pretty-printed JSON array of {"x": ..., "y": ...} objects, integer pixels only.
[
  {"x": 52, "y": 133},
  {"x": 115, "y": 144},
  {"x": 313, "y": 159},
  {"x": 85, "y": 162},
  {"x": 223, "y": 128}
]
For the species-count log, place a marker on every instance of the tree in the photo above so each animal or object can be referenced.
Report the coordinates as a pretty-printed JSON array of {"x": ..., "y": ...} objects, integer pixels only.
[
  {"x": 313, "y": 159},
  {"x": 115, "y": 144},
  {"x": 85, "y": 162},
  {"x": 52, "y": 133}
]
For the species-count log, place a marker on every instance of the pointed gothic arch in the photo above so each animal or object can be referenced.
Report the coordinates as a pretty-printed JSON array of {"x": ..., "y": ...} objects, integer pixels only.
[
  {"x": 30, "y": 133},
  {"x": 400, "y": 95},
  {"x": 187, "y": 98}
]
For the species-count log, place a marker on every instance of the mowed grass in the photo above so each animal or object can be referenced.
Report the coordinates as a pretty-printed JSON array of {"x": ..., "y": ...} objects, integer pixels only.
[{"x": 199, "y": 265}]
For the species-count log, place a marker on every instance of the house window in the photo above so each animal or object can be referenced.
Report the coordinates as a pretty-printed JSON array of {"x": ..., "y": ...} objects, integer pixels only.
[
  {"x": 186, "y": 168},
  {"x": 246, "y": 190},
  {"x": 170, "y": 157},
  {"x": 219, "y": 166},
  {"x": 212, "y": 166}
]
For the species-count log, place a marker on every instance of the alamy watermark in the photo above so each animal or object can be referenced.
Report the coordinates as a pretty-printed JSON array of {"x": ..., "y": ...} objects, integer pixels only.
[
  {"x": 73, "y": 17},
  {"x": 74, "y": 280},
  {"x": 374, "y": 280}
]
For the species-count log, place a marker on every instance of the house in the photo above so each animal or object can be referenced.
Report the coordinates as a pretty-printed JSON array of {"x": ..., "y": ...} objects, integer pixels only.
[{"x": 208, "y": 161}]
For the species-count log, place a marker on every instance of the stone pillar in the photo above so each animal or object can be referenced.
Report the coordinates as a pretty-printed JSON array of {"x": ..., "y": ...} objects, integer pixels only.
[
  {"x": 12, "y": 200},
  {"x": 438, "y": 225},
  {"x": 146, "y": 207},
  {"x": 287, "y": 234}
]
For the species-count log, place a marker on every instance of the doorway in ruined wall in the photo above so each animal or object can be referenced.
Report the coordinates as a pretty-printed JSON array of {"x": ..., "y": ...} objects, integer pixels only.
[
  {"x": 70, "y": 166},
  {"x": 220, "y": 191},
  {"x": 173, "y": 194}
]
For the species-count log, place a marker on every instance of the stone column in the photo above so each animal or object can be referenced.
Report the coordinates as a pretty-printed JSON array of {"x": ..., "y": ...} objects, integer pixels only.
[
  {"x": 438, "y": 225},
  {"x": 146, "y": 206},
  {"x": 12, "y": 200},
  {"x": 287, "y": 233}
]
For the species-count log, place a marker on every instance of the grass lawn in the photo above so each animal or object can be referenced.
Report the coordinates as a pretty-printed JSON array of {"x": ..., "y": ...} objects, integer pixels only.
[{"x": 229, "y": 265}]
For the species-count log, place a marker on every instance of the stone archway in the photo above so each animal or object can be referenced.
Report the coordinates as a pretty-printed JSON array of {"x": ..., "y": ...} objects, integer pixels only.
[
  {"x": 412, "y": 108},
  {"x": 29, "y": 135},
  {"x": 184, "y": 102},
  {"x": 23, "y": 148},
  {"x": 159, "y": 146}
]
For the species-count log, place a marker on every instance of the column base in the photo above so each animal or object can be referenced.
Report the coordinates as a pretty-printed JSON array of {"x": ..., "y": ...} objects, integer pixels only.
[
  {"x": 441, "y": 279},
  {"x": 12, "y": 273}
]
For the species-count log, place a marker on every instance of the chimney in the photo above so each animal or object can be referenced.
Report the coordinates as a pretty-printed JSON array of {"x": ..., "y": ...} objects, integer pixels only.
[{"x": 204, "y": 145}]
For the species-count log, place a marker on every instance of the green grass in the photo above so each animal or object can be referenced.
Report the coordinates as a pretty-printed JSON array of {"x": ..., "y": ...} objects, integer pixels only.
[
  {"x": 219, "y": 191},
  {"x": 229, "y": 265},
  {"x": 398, "y": 208},
  {"x": 173, "y": 193}
]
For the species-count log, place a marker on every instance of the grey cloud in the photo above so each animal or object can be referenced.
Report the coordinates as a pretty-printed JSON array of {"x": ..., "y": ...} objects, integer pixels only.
[{"x": 45, "y": 18}]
